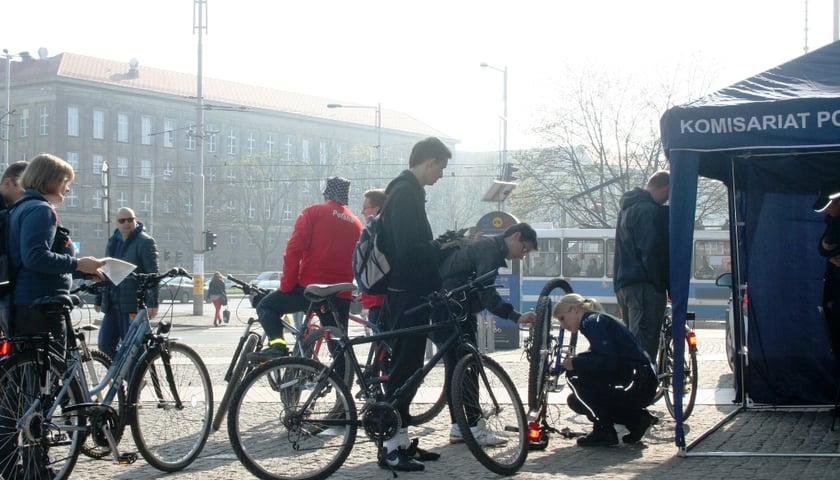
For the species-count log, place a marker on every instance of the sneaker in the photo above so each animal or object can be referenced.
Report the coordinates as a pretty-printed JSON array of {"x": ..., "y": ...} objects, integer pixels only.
[
  {"x": 455, "y": 434},
  {"x": 417, "y": 453},
  {"x": 267, "y": 354},
  {"x": 399, "y": 461},
  {"x": 599, "y": 437},
  {"x": 638, "y": 430},
  {"x": 487, "y": 438}
]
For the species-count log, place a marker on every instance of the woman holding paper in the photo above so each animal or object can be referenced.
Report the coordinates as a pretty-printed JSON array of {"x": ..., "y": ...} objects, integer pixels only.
[
  {"x": 41, "y": 254},
  {"x": 132, "y": 244}
]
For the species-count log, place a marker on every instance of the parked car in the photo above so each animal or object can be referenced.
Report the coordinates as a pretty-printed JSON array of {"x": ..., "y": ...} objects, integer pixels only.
[
  {"x": 176, "y": 288},
  {"x": 228, "y": 283},
  {"x": 725, "y": 280},
  {"x": 267, "y": 280}
]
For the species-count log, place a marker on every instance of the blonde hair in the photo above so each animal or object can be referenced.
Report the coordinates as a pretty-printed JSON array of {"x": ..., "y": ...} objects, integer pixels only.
[
  {"x": 46, "y": 173},
  {"x": 574, "y": 300},
  {"x": 218, "y": 275}
]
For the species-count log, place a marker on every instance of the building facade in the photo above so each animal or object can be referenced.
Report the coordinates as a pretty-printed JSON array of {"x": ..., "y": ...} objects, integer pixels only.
[{"x": 266, "y": 153}]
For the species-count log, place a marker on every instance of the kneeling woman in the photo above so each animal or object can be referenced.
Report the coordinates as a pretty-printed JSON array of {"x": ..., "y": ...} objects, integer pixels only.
[{"x": 614, "y": 381}]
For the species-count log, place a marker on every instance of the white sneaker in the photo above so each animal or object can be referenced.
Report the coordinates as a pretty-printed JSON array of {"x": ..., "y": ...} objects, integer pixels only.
[
  {"x": 455, "y": 434},
  {"x": 486, "y": 438}
]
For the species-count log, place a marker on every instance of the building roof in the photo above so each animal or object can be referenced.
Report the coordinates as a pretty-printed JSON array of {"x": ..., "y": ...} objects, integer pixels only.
[{"x": 223, "y": 92}]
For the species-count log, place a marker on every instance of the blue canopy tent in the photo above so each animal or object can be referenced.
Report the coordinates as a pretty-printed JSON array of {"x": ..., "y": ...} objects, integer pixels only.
[{"x": 772, "y": 139}]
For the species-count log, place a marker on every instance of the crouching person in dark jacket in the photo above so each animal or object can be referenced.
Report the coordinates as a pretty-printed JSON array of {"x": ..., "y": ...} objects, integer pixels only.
[{"x": 614, "y": 381}]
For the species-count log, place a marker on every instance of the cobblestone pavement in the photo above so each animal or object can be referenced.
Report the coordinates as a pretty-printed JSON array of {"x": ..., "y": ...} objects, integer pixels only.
[{"x": 654, "y": 458}]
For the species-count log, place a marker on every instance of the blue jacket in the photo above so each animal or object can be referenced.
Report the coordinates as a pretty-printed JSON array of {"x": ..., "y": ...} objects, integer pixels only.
[
  {"x": 612, "y": 348},
  {"x": 139, "y": 249},
  {"x": 40, "y": 250}
]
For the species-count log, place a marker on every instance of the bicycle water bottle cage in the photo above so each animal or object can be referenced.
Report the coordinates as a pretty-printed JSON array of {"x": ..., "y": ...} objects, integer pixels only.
[{"x": 319, "y": 292}]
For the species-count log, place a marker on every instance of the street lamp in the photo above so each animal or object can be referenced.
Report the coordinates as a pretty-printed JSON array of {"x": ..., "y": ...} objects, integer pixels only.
[
  {"x": 378, "y": 124},
  {"x": 504, "y": 114},
  {"x": 7, "y": 116}
]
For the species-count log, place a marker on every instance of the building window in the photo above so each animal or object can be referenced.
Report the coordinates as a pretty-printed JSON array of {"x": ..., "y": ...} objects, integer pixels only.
[
  {"x": 231, "y": 207},
  {"x": 269, "y": 145},
  {"x": 146, "y": 203},
  {"x": 252, "y": 143},
  {"x": 167, "y": 205},
  {"x": 43, "y": 120},
  {"x": 191, "y": 134},
  {"x": 188, "y": 208},
  {"x": 233, "y": 238},
  {"x": 322, "y": 153},
  {"x": 211, "y": 139},
  {"x": 252, "y": 210},
  {"x": 96, "y": 199},
  {"x": 122, "y": 127},
  {"x": 146, "y": 130},
  {"x": 288, "y": 148},
  {"x": 211, "y": 175},
  {"x": 96, "y": 164},
  {"x": 72, "y": 121},
  {"x": 71, "y": 199},
  {"x": 122, "y": 200},
  {"x": 168, "y": 133},
  {"x": 231, "y": 177},
  {"x": 287, "y": 213},
  {"x": 23, "y": 123},
  {"x": 232, "y": 143},
  {"x": 98, "y": 124},
  {"x": 167, "y": 171},
  {"x": 122, "y": 166},
  {"x": 73, "y": 160},
  {"x": 99, "y": 231},
  {"x": 145, "y": 169}
]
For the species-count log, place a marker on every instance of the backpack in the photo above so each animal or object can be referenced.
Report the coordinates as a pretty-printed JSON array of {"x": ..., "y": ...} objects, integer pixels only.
[
  {"x": 6, "y": 274},
  {"x": 371, "y": 268}
]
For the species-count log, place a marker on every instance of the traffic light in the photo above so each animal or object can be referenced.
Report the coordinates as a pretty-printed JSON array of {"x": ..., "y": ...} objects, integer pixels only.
[
  {"x": 209, "y": 241},
  {"x": 507, "y": 172}
]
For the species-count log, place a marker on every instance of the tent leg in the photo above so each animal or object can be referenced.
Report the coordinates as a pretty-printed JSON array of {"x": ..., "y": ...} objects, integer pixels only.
[{"x": 712, "y": 430}]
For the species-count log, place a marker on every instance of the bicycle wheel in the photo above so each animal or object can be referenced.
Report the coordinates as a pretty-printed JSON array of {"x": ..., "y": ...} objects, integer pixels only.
[
  {"x": 541, "y": 348},
  {"x": 239, "y": 370},
  {"x": 689, "y": 379},
  {"x": 431, "y": 395},
  {"x": 96, "y": 446},
  {"x": 43, "y": 448},
  {"x": 315, "y": 346},
  {"x": 489, "y": 413},
  {"x": 288, "y": 421},
  {"x": 170, "y": 433}
]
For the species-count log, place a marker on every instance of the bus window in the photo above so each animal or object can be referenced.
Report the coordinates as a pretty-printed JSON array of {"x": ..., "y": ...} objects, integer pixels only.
[
  {"x": 610, "y": 257},
  {"x": 583, "y": 257},
  {"x": 545, "y": 262},
  {"x": 711, "y": 259}
]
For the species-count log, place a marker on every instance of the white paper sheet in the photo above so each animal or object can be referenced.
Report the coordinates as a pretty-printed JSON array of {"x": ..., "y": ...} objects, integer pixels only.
[{"x": 116, "y": 270}]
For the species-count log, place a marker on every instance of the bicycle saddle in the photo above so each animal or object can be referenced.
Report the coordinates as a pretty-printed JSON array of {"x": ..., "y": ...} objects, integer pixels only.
[
  {"x": 318, "y": 292},
  {"x": 62, "y": 301}
]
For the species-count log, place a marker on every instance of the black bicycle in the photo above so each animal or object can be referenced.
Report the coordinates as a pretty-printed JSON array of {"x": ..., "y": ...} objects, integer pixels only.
[
  {"x": 665, "y": 361},
  {"x": 293, "y": 418}
]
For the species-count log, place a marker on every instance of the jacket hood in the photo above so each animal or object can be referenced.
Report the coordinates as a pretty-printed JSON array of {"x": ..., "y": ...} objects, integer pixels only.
[{"x": 637, "y": 195}]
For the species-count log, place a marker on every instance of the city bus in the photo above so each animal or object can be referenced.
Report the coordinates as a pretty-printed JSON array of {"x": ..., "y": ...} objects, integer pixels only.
[{"x": 585, "y": 256}]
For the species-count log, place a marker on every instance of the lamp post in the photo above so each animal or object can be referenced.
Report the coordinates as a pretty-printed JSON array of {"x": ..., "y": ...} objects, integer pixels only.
[
  {"x": 504, "y": 72},
  {"x": 7, "y": 115},
  {"x": 378, "y": 124}
]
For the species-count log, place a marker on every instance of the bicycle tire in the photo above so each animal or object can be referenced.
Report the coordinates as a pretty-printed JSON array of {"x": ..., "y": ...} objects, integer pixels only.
[
  {"x": 283, "y": 426},
  {"x": 541, "y": 351},
  {"x": 689, "y": 382},
  {"x": 170, "y": 437},
  {"x": 499, "y": 410},
  {"x": 91, "y": 447},
  {"x": 16, "y": 449},
  {"x": 239, "y": 371}
]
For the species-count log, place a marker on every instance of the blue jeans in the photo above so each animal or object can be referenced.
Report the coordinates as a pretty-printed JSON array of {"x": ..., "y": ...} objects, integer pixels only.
[{"x": 114, "y": 327}]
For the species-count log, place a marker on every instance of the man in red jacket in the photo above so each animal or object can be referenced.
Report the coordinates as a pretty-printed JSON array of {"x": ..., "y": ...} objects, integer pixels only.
[{"x": 320, "y": 250}]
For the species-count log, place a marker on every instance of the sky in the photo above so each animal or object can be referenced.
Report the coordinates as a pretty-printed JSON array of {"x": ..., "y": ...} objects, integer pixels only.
[{"x": 423, "y": 58}]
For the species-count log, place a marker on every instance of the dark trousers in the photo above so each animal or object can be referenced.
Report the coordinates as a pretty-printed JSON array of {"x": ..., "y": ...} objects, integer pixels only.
[
  {"x": 831, "y": 314},
  {"x": 450, "y": 359},
  {"x": 408, "y": 351},
  {"x": 607, "y": 398},
  {"x": 643, "y": 311},
  {"x": 114, "y": 328}
]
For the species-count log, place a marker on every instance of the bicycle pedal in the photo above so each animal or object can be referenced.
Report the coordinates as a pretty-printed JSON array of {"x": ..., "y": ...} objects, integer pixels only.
[{"x": 127, "y": 458}]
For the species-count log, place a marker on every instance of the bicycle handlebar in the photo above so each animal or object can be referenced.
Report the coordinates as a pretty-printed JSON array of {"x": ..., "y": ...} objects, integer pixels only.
[
  {"x": 443, "y": 296},
  {"x": 247, "y": 287}
]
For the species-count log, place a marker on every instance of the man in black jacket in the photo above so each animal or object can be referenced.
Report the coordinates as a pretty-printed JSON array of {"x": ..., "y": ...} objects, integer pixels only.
[
  {"x": 828, "y": 203},
  {"x": 130, "y": 243},
  {"x": 413, "y": 254},
  {"x": 641, "y": 260},
  {"x": 472, "y": 260}
]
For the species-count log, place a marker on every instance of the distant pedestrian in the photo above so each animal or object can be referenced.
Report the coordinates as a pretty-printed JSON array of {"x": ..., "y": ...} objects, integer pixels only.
[
  {"x": 373, "y": 202},
  {"x": 217, "y": 296}
]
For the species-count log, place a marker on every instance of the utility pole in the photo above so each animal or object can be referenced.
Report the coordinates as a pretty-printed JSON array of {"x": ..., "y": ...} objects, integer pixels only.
[{"x": 199, "y": 26}]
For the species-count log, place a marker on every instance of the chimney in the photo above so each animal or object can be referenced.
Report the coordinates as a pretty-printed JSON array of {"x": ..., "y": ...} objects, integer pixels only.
[{"x": 133, "y": 68}]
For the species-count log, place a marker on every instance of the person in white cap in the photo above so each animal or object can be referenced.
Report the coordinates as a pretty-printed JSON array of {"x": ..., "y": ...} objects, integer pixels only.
[{"x": 829, "y": 204}]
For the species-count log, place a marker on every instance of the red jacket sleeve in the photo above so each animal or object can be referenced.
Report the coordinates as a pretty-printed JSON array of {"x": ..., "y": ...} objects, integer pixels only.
[{"x": 298, "y": 243}]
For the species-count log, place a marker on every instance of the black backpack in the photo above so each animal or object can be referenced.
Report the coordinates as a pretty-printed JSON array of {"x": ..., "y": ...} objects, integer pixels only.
[{"x": 6, "y": 273}]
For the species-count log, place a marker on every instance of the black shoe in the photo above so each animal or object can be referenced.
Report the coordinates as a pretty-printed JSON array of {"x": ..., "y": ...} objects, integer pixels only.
[
  {"x": 637, "y": 431},
  {"x": 399, "y": 461},
  {"x": 267, "y": 354},
  {"x": 599, "y": 437},
  {"x": 417, "y": 453}
]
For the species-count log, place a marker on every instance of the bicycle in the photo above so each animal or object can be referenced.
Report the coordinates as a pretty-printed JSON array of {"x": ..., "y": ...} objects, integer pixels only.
[
  {"x": 292, "y": 418},
  {"x": 310, "y": 342},
  {"x": 45, "y": 397},
  {"x": 665, "y": 365},
  {"x": 545, "y": 353}
]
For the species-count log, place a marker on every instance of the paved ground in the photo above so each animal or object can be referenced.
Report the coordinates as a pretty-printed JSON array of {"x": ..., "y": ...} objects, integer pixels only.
[{"x": 655, "y": 458}]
